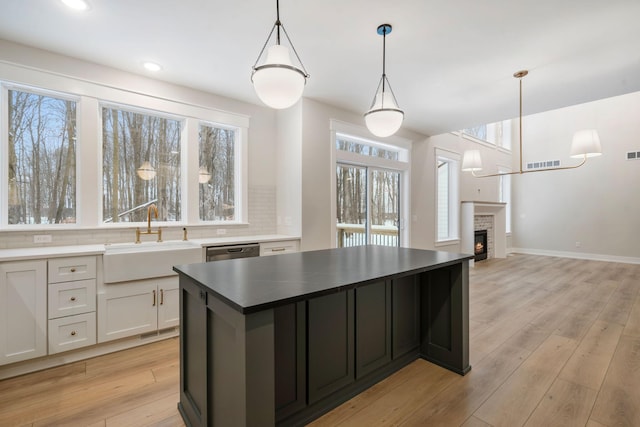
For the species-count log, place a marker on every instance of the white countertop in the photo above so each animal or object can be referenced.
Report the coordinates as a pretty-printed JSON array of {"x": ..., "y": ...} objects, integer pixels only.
[{"x": 79, "y": 250}]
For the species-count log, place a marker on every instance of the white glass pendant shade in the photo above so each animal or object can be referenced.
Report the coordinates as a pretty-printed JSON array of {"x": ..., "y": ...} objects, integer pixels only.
[
  {"x": 146, "y": 171},
  {"x": 471, "y": 161},
  {"x": 384, "y": 118},
  {"x": 277, "y": 82},
  {"x": 586, "y": 143},
  {"x": 203, "y": 175}
]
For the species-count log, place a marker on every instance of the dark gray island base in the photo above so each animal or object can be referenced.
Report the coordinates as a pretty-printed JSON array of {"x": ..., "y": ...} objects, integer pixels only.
[{"x": 281, "y": 340}]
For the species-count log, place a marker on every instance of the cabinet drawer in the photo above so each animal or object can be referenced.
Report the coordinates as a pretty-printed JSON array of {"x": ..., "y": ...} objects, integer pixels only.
[
  {"x": 72, "y": 332},
  {"x": 69, "y": 298},
  {"x": 281, "y": 247},
  {"x": 76, "y": 268}
]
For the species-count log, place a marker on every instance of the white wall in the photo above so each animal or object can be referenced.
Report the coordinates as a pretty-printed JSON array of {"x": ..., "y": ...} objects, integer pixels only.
[
  {"x": 317, "y": 168},
  {"x": 423, "y": 196},
  {"x": 593, "y": 211}
]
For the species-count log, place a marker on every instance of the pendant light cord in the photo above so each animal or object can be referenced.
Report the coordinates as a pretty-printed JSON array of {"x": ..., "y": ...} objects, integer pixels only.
[
  {"x": 278, "y": 23},
  {"x": 384, "y": 59}
]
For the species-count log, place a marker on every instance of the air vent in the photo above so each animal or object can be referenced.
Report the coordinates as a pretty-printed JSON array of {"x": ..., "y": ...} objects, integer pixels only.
[
  {"x": 545, "y": 164},
  {"x": 633, "y": 155}
]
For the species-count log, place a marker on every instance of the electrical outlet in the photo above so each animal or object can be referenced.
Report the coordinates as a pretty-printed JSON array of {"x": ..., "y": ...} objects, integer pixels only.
[
  {"x": 42, "y": 238},
  {"x": 578, "y": 244},
  {"x": 221, "y": 231}
]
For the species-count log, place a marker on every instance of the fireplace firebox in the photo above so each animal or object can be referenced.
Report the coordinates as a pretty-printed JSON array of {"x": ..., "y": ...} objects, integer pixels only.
[{"x": 480, "y": 245}]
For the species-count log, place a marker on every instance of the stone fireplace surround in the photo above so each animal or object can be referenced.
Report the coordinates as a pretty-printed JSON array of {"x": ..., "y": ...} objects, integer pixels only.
[{"x": 477, "y": 215}]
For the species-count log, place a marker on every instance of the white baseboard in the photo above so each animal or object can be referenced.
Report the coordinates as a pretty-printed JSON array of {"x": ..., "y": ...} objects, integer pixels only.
[
  {"x": 21, "y": 368},
  {"x": 577, "y": 255}
]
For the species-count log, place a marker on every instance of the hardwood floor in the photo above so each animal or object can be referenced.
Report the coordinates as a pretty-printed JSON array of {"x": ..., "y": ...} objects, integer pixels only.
[{"x": 554, "y": 342}]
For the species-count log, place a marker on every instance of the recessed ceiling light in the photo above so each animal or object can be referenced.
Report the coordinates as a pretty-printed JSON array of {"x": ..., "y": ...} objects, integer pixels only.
[
  {"x": 76, "y": 4},
  {"x": 152, "y": 66}
]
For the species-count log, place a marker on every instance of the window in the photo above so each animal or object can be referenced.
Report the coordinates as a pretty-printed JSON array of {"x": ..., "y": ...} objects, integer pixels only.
[
  {"x": 446, "y": 195},
  {"x": 41, "y": 159},
  {"x": 504, "y": 191},
  {"x": 369, "y": 182},
  {"x": 368, "y": 206},
  {"x": 494, "y": 133},
  {"x": 217, "y": 173},
  {"x": 141, "y": 166}
]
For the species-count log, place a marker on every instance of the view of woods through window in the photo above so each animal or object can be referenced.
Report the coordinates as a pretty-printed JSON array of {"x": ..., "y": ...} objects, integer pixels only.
[
  {"x": 217, "y": 172},
  {"x": 368, "y": 199},
  {"x": 42, "y": 159},
  {"x": 141, "y": 166}
]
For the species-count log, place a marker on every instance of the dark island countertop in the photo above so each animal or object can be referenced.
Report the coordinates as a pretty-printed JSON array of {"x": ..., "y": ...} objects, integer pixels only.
[{"x": 253, "y": 284}]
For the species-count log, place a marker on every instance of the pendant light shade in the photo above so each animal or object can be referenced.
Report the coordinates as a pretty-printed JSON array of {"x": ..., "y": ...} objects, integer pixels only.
[
  {"x": 471, "y": 161},
  {"x": 203, "y": 175},
  {"x": 586, "y": 143},
  {"x": 146, "y": 171},
  {"x": 277, "y": 81},
  {"x": 384, "y": 117}
]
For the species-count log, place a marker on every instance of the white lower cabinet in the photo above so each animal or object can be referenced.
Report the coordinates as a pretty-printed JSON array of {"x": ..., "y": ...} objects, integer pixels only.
[
  {"x": 68, "y": 333},
  {"x": 23, "y": 310},
  {"x": 137, "y": 307},
  {"x": 279, "y": 247},
  {"x": 72, "y": 303}
]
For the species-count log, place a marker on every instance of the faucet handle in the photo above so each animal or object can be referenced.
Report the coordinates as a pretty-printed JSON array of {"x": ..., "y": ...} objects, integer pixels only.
[
  {"x": 159, "y": 234},
  {"x": 137, "y": 235}
]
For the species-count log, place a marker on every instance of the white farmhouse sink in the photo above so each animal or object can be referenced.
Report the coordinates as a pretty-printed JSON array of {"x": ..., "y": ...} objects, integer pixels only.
[{"x": 133, "y": 261}]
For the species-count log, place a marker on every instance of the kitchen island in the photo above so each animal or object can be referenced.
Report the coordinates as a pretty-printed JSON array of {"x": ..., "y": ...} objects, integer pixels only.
[{"x": 281, "y": 340}]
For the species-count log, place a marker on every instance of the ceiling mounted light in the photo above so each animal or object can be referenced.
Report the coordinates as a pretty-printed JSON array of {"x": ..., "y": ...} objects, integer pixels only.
[
  {"x": 146, "y": 171},
  {"x": 277, "y": 82},
  {"x": 151, "y": 66},
  {"x": 586, "y": 143},
  {"x": 76, "y": 4},
  {"x": 384, "y": 118}
]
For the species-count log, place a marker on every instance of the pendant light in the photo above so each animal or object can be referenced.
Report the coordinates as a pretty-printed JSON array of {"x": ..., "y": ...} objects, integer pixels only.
[
  {"x": 277, "y": 82},
  {"x": 146, "y": 171},
  {"x": 384, "y": 118},
  {"x": 585, "y": 143}
]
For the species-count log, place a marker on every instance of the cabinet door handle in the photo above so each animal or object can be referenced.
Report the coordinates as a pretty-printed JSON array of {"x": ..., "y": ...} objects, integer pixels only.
[
  {"x": 72, "y": 298},
  {"x": 73, "y": 270},
  {"x": 154, "y": 298},
  {"x": 161, "y": 296},
  {"x": 73, "y": 333},
  {"x": 277, "y": 250}
]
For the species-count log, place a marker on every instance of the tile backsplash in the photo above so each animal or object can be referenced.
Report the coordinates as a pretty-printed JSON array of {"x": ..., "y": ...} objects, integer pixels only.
[{"x": 262, "y": 220}]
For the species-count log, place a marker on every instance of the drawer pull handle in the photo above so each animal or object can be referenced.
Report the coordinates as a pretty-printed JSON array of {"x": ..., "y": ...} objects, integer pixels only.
[
  {"x": 277, "y": 249},
  {"x": 73, "y": 270},
  {"x": 73, "y": 333},
  {"x": 154, "y": 298},
  {"x": 72, "y": 298},
  {"x": 161, "y": 296}
]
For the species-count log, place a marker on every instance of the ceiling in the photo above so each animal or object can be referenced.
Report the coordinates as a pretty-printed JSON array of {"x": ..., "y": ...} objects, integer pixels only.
[{"x": 450, "y": 63}]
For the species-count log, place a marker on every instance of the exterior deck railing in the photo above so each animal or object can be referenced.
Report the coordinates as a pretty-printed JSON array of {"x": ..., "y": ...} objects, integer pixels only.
[{"x": 355, "y": 235}]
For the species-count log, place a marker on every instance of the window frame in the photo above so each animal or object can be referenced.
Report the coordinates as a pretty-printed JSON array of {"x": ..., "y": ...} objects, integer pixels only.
[
  {"x": 342, "y": 130},
  {"x": 89, "y": 97},
  {"x": 453, "y": 212},
  {"x": 5, "y": 87}
]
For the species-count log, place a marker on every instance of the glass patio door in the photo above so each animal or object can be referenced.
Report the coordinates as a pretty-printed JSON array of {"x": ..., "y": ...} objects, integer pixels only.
[{"x": 368, "y": 206}]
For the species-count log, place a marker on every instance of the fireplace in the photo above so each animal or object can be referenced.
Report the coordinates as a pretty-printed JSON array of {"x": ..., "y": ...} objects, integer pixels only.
[{"x": 480, "y": 245}]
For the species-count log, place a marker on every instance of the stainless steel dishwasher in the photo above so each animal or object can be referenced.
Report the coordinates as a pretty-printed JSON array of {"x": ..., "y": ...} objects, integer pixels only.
[{"x": 218, "y": 253}]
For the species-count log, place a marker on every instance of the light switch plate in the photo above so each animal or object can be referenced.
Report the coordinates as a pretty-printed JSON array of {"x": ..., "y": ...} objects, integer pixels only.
[{"x": 42, "y": 238}]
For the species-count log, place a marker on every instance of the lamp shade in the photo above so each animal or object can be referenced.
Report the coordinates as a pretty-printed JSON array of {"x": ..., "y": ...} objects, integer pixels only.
[
  {"x": 586, "y": 143},
  {"x": 277, "y": 82},
  {"x": 146, "y": 171},
  {"x": 384, "y": 118},
  {"x": 471, "y": 161}
]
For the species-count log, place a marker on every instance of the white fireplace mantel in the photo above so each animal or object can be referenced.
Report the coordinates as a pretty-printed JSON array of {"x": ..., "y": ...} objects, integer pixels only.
[{"x": 469, "y": 210}]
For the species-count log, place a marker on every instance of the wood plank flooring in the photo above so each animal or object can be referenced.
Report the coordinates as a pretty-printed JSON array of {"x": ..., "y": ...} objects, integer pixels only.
[{"x": 554, "y": 342}]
